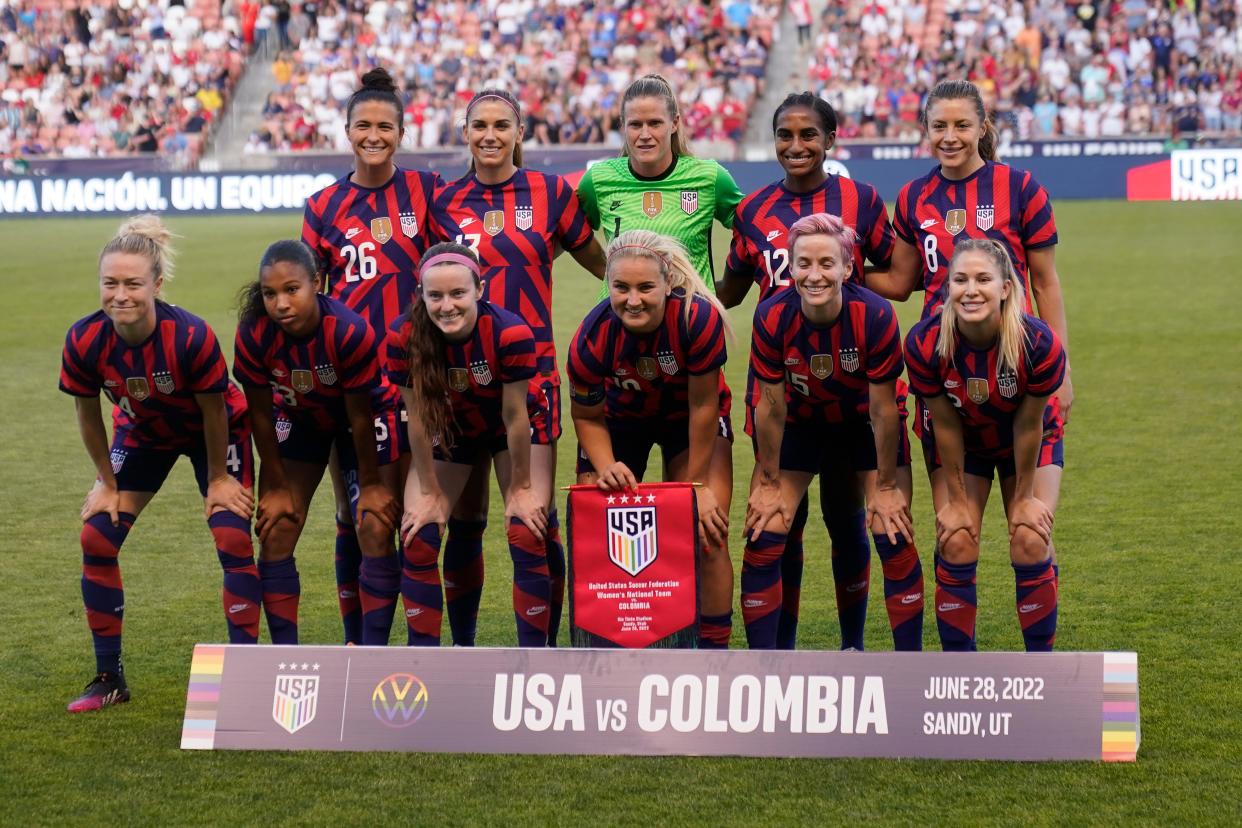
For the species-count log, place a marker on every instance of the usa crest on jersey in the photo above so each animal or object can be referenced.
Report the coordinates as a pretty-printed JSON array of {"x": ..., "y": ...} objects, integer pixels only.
[
  {"x": 647, "y": 368},
  {"x": 524, "y": 217},
  {"x": 632, "y": 537},
  {"x": 494, "y": 221},
  {"x": 381, "y": 229},
  {"x": 849, "y": 359},
  {"x": 283, "y": 428},
  {"x": 668, "y": 362},
  {"x": 984, "y": 216},
  {"x": 653, "y": 203},
  {"x": 409, "y": 225},
  {"x": 137, "y": 388},
  {"x": 117, "y": 457},
  {"x": 327, "y": 373},
  {"x": 459, "y": 379},
  {"x": 821, "y": 365},
  {"x": 482, "y": 373},
  {"x": 1007, "y": 383},
  {"x": 163, "y": 382},
  {"x": 689, "y": 202},
  {"x": 955, "y": 221},
  {"x": 977, "y": 390},
  {"x": 302, "y": 380}
]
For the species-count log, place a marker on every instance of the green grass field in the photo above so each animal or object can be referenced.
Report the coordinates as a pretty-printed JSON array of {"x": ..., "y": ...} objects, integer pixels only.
[{"x": 1147, "y": 534}]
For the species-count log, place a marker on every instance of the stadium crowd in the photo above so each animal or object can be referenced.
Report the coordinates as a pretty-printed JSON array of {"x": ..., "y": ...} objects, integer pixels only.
[
  {"x": 1097, "y": 68},
  {"x": 96, "y": 78},
  {"x": 112, "y": 78},
  {"x": 566, "y": 62}
]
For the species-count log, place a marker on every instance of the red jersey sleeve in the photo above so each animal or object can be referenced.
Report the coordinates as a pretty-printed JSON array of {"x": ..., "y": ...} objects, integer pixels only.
[
  {"x": 901, "y": 218},
  {"x": 354, "y": 346},
  {"x": 1045, "y": 359},
  {"x": 515, "y": 351},
  {"x": 206, "y": 369},
  {"x": 884, "y": 359},
  {"x": 248, "y": 367},
  {"x": 585, "y": 367},
  {"x": 1039, "y": 228},
  {"x": 397, "y": 353},
  {"x": 922, "y": 361},
  {"x": 705, "y": 335},
  {"x": 572, "y": 228},
  {"x": 79, "y": 377},
  {"x": 766, "y": 347}
]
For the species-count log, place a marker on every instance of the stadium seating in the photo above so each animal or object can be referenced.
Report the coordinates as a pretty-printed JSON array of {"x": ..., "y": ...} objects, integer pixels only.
[
  {"x": 1102, "y": 68},
  {"x": 113, "y": 78},
  {"x": 567, "y": 63}
]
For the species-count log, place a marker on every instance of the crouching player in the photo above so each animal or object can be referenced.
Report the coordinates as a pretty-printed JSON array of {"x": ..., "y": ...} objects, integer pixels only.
[
  {"x": 308, "y": 366},
  {"x": 463, "y": 366},
  {"x": 827, "y": 356},
  {"x": 985, "y": 371},
  {"x": 162, "y": 368},
  {"x": 644, "y": 370}
]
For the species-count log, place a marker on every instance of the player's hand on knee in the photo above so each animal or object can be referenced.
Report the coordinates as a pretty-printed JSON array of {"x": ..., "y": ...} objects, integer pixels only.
[
  {"x": 523, "y": 504},
  {"x": 274, "y": 506},
  {"x": 227, "y": 494},
  {"x": 102, "y": 499},
  {"x": 955, "y": 517},
  {"x": 765, "y": 509},
  {"x": 713, "y": 521},
  {"x": 617, "y": 477},
  {"x": 1034, "y": 514},
  {"x": 888, "y": 513},
  {"x": 423, "y": 510},
  {"x": 376, "y": 501}
]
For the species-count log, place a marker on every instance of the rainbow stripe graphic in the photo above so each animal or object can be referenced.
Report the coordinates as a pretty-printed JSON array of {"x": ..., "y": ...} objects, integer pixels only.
[
  {"x": 1120, "y": 716},
  {"x": 198, "y": 732}
]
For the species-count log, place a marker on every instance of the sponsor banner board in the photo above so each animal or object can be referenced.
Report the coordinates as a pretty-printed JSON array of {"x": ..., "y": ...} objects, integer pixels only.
[
  {"x": 633, "y": 560},
  {"x": 1009, "y": 706}
]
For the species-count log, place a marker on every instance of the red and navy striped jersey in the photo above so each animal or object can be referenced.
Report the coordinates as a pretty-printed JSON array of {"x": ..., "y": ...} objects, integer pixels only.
[
  {"x": 152, "y": 384},
  {"x": 310, "y": 375},
  {"x": 996, "y": 201},
  {"x": 644, "y": 376},
  {"x": 516, "y": 229},
  {"x": 761, "y": 228},
  {"x": 827, "y": 369},
  {"x": 501, "y": 349},
  {"x": 371, "y": 240},
  {"x": 985, "y": 401}
]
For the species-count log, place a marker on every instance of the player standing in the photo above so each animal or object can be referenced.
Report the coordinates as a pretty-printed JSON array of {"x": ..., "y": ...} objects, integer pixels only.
[
  {"x": 313, "y": 384},
  {"x": 804, "y": 127},
  {"x": 657, "y": 184},
  {"x": 827, "y": 356},
  {"x": 985, "y": 370},
  {"x": 644, "y": 370},
  {"x": 465, "y": 366},
  {"x": 516, "y": 221},
  {"x": 162, "y": 368},
  {"x": 370, "y": 230}
]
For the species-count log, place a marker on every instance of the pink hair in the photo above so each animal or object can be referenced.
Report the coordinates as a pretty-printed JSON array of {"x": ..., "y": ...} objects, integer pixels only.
[{"x": 824, "y": 224}]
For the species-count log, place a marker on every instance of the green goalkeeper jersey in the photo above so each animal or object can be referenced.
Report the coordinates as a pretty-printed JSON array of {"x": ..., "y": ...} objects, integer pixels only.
[{"x": 682, "y": 203}]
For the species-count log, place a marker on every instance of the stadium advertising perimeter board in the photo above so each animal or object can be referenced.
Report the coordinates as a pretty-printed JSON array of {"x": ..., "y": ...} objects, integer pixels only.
[{"x": 1047, "y": 706}]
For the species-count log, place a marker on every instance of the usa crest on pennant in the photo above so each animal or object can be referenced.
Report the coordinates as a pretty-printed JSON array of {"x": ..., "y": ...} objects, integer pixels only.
[
  {"x": 632, "y": 537},
  {"x": 381, "y": 229},
  {"x": 482, "y": 373},
  {"x": 849, "y": 359},
  {"x": 689, "y": 202},
  {"x": 409, "y": 225},
  {"x": 821, "y": 365},
  {"x": 955, "y": 221},
  {"x": 977, "y": 390},
  {"x": 459, "y": 379},
  {"x": 524, "y": 217},
  {"x": 984, "y": 216},
  {"x": 494, "y": 221}
]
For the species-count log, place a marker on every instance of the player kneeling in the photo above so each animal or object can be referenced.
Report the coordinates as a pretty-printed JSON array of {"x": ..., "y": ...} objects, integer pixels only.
[
  {"x": 463, "y": 366},
  {"x": 985, "y": 371},
  {"x": 644, "y": 370},
  {"x": 827, "y": 356}
]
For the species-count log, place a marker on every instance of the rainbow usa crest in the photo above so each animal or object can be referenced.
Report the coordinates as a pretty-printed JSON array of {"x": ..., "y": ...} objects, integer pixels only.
[
  {"x": 632, "y": 537},
  {"x": 295, "y": 701}
]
